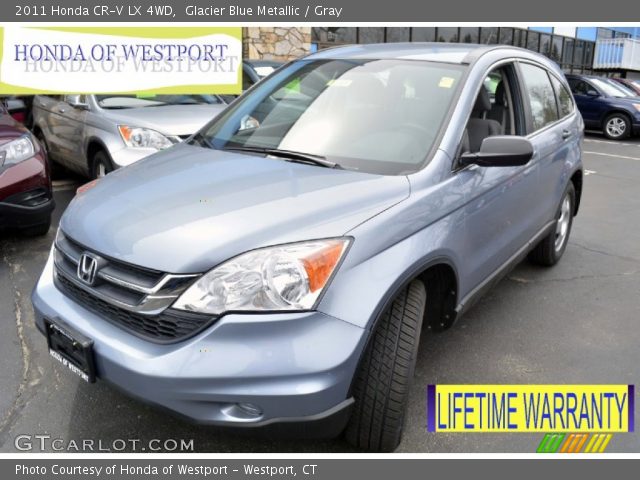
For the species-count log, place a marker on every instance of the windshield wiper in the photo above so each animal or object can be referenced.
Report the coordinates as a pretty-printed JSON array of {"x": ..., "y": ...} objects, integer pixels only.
[
  {"x": 203, "y": 141},
  {"x": 289, "y": 155}
]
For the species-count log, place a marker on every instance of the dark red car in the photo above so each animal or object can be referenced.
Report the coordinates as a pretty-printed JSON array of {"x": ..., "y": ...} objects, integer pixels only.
[
  {"x": 26, "y": 199},
  {"x": 633, "y": 85}
]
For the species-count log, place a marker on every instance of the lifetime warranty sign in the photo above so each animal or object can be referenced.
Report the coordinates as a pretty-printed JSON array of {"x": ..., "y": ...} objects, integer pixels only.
[
  {"x": 202, "y": 60},
  {"x": 530, "y": 408}
]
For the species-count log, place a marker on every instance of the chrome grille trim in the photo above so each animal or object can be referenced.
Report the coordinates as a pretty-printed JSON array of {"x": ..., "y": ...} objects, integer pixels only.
[{"x": 155, "y": 291}]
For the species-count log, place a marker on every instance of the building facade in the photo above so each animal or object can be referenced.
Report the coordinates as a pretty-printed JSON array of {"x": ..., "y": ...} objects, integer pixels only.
[{"x": 613, "y": 51}]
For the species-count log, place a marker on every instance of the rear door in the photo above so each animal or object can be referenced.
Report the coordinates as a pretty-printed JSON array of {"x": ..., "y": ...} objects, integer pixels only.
[{"x": 553, "y": 135}]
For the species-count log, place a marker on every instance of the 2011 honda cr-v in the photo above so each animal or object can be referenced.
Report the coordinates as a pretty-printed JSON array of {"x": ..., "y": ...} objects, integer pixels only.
[{"x": 280, "y": 265}]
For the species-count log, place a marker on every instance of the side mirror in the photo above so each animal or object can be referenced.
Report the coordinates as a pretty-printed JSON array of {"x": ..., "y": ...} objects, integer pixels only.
[
  {"x": 74, "y": 101},
  {"x": 592, "y": 93},
  {"x": 500, "y": 151}
]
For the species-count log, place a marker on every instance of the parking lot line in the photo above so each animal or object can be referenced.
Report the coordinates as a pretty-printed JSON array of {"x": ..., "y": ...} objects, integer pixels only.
[
  {"x": 637, "y": 159},
  {"x": 609, "y": 142}
]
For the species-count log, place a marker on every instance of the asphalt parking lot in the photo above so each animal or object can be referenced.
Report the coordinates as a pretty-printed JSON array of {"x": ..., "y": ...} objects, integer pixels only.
[{"x": 575, "y": 323}]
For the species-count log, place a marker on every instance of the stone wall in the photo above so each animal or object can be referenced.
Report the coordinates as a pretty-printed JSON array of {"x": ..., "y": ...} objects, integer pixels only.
[{"x": 276, "y": 43}]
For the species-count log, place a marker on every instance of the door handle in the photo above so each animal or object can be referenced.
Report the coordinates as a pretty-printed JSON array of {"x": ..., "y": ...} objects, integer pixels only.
[
  {"x": 62, "y": 109},
  {"x": 566, "y": 134}
]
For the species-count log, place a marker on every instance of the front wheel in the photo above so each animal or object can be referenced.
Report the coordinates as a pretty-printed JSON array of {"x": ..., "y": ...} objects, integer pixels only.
[
  {"x": 381, "y": 386},
  {"x": 617, "y": 126},
  {"x": 549, "y": 251},
  {"x": 100, "y": 165}
]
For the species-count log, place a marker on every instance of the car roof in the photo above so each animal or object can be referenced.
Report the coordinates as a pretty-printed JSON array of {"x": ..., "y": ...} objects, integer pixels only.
[{"x": 462, "y": 53}]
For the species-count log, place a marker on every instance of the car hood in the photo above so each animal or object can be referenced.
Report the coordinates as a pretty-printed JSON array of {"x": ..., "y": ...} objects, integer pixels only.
[
  {"x": 178, "y": 120},
  {"x": 186, "y": 209}
]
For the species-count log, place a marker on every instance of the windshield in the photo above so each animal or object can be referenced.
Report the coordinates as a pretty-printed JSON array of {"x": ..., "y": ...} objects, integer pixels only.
[
  {"x": 378, "y": 116},
  {"x": 150, "y": 100},
  {"x": 611, "y": 88}
]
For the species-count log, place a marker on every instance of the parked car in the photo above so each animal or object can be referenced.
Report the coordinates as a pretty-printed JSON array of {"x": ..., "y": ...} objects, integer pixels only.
[
  {"x": 280, "y": 265},
  {"x": 26, "y": 201},
  {"x": 252, "y": 72},
  {"x": 17, "y": 108},
  {"x": 95, "y": 134},
  {"x": 606, "y": 106},
  {"x": 633, "y": 85}
]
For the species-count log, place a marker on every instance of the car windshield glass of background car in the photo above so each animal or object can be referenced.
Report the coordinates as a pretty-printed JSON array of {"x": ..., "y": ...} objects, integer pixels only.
[
  {"x": 611, "y": 89},
  {"x": 117, "y": 101},
  {"x": 378, "y": 116}
]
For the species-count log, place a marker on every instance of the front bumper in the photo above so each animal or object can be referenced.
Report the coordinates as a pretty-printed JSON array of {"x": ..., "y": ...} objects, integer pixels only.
[
  {"x": 25, "y": 193},
  {"x": 18, "y": 216},
  {"x": 293, "y": 367}
]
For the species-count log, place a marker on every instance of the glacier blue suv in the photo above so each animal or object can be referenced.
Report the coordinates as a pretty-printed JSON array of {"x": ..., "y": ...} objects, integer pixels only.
[{"x": 279, "y": 265}]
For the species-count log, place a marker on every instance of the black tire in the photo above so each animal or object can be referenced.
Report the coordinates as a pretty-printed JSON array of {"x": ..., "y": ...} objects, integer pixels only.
[
  {"x": 381, "y": 386},
  {"x": 617, "y": 126},
  {"x": 100, "y": 160},
  {"x": 37, "y": 230},
  {"x": 547, "y": 253}
]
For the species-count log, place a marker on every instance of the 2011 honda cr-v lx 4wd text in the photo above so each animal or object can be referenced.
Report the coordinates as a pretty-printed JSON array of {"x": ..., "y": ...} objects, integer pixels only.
[{"x": 280, "y": 264}]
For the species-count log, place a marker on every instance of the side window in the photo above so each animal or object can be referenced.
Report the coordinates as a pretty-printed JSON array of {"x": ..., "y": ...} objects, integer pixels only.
[
  {"x": 542, "y": 99},
  {"x": 565, "y": 101},
  {"x": 578, "y": 87},
  {"x": 497, "y": 109}
]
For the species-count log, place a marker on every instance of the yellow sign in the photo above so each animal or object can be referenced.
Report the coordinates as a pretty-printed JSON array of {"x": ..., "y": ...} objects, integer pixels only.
[
  {"x": 201, "y": 60},
  {"x": 530, "y": 408}
]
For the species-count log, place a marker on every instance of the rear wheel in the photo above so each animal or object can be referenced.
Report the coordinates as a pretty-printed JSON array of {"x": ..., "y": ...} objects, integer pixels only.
[
  {"x": 549, "y": 251},
  {"x": 100, "y": 165},
  {"x": 617, "y": 126},
  {"x": 381, "y": 386}
]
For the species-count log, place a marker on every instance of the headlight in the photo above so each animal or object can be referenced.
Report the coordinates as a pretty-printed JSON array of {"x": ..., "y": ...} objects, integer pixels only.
[
  {"x": 17, "y": 150},
  {"x": 138, "y": 137},
  {"x": 286, "y": 277}
]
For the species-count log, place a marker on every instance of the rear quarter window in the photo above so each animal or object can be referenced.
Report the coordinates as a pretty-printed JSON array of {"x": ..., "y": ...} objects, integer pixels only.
[
  {"x": 542, "y": 99},
  {"x": 565, "y": 100}
]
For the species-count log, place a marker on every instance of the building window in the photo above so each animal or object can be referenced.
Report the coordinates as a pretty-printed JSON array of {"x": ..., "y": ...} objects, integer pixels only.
[
  {"x": 447, "y": 34},
  {"x": 398, "y": 34},
  {"x": 370, "y": 35},
  {"x": 469, "y": 34},
  {"x": 533, "y": 40},
  {"x": 333, "y": 35},
  {"x": 555, "y": 53},
  {"x": 423, "y": 34},
  {"x": 489, "y": 35},
  {"x": 506, "y": 36}
]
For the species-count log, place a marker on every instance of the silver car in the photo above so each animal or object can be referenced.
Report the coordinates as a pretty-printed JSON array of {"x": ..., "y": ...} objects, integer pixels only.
[{"x": 95, "y": 134}]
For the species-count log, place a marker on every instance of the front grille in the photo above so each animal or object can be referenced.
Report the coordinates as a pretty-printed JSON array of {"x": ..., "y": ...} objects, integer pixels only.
[
  {"x": 134, "y": 298},
  {"x": 166, "y": 327}
]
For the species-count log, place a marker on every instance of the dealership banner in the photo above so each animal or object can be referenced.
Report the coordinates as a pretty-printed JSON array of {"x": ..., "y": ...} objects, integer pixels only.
[{"x": 202, "y": 60}]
